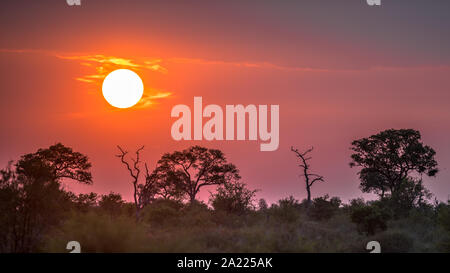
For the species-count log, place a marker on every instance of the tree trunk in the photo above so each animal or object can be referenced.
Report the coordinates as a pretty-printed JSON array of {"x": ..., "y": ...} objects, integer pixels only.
[
  {"x": 192, "y": 198},
  {"x": 136, "y": 201},
  {"x": 308, "y": 190}
]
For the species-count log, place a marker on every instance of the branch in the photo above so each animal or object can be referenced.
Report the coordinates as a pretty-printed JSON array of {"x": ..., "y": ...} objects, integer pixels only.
[{"x": 320, "y": 178}]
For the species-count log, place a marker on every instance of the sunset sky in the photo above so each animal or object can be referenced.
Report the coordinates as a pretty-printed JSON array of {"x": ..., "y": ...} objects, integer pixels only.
[{"x": 339, "y": 70}]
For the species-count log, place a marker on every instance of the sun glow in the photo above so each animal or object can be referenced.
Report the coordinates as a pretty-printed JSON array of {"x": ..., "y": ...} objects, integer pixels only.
[{"x": 122, "y": 88}]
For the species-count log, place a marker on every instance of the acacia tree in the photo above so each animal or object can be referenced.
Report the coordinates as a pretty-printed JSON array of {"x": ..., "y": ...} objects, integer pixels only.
[
  {"x": 61, "y": 161},
  {"x": 160, "y": 185},
  {"x": 310, "y": 178},
  {"x": 389, "y": 158},
  {"x": 31, "y": 197},
  {"x": 190, "y": 170}
]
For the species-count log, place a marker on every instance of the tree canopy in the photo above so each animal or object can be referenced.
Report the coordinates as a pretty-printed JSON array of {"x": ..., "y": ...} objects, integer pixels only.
[
  {"x": 388, "y": 158},
  {"x": 189, "y": 170}
]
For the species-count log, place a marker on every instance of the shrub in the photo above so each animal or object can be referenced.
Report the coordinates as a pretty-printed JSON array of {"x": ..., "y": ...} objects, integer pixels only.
[
  {"x": 369, "y": 219},
  {"x": 111, "y": 204},
  {"x": 162, "y": 212},
  {"x": 444, "y": 222},
  {"x": 196, "y": 214},
  {"x": 395, "y": 242},
  {"x": 98, "y": 233},
  {"x": 324, "y": 209},
  {"x": 287, "y": 210},
  {"x": 233, "y": 198},
  {"x": 262, "y": 204}
]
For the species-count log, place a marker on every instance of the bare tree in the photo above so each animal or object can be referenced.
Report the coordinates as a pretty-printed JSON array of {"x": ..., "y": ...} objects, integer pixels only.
[
  {"x": 310, "y": 178},
  {"x": 135, "y": 171}
]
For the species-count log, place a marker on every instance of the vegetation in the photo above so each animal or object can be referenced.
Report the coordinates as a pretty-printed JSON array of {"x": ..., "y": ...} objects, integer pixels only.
[{"x": 39, "y": 215}]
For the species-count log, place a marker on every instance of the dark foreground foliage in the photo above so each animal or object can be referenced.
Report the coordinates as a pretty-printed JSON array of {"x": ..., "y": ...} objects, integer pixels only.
[
  {"x": 37, "y": 214},
  {"x": 170, "y": 226}
]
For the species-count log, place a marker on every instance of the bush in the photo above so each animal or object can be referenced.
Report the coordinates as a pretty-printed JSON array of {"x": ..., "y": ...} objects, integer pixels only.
[
  {"x": 162, "y": 212},
  {"x": 112, "y": 204},
  {"x": 395, "y": 242},
  {"x": 323, "y": 209},
  {"x": 98, "y": 233},
  {"x": 233, "y": 198},
  {"x": 196, "y": 214},
  {"x": 262, "y": 205},
  {"x": 287, "y": 210},
  {"x": 369, "y": 219},
  {"x": 444, "y": 222}
]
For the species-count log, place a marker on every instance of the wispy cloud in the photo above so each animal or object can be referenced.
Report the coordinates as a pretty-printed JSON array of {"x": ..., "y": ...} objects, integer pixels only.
[
  {"x": 261, "y": 65},
  {"x": 105, "y": 64},
  {"x": 156, "y": 95}
]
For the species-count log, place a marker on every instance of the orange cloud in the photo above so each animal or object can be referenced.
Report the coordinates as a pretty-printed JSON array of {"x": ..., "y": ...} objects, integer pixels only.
[
  {"x": 148, "y": 100},
  {"x": 105, "y": 64},
  {"x": 263, "y": 65}
]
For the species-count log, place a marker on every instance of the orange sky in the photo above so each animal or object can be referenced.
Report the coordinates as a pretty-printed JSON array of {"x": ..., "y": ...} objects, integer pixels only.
[{"x": 334, "y": 82}]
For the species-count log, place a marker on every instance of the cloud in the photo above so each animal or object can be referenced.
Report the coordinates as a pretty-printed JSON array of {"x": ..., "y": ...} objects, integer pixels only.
[
  {"x": 259, "y": 65},
  {"x": 105, "y": 64},
  {"x": 148, "y": 100}
]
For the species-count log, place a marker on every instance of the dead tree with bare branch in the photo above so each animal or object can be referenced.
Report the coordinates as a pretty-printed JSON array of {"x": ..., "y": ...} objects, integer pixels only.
[
  {"x": 134, "y": 169},
  {"x": 310, "y": 178}
]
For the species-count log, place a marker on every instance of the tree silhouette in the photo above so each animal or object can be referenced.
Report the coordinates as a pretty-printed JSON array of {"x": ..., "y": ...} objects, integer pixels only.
[
  {"x": 389, "y": 158},
  {"x": 61, "y": 161},
  {"x": 310, "y": 178},
  {"x": 189, "y": 170},
  {"x": 134, "y": 169},
  {"x": 159, "y": 184},
  {"x": 233, "y": 198},
  {"x": 31, "y": 197}
]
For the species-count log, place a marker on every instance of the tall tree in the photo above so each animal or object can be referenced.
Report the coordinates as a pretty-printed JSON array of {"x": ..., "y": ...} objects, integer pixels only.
[
  {"x": 194, "y": 168},
  {"x": 160, "y": 185},
  {"x": 61, "y": 161},
  {"x": 309, "y": 177},
  {"x": 32, "y": 198},
  {"x": 389, "y": 158},
  {"x": 134, "y": 170}
]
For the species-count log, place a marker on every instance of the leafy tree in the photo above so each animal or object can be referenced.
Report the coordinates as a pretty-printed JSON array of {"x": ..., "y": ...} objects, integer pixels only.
[
  {"x": 190, "y": 170},
  {"x": 233, "y": 198},
  {"x": 32, "y": 198},
  {"x": 411, "y": 193},
  {"x": 160, "y": 185},
  {"x": 389, "y": 158},
  {"x": 61, "y": 161}
]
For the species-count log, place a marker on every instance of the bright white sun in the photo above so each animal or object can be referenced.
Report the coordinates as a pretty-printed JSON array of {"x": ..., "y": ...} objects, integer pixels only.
[{"x": 122, "y": 88}]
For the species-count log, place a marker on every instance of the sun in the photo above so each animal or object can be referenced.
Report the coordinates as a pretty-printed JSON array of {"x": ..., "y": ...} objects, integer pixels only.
[{"x": 122, "y": 88}]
